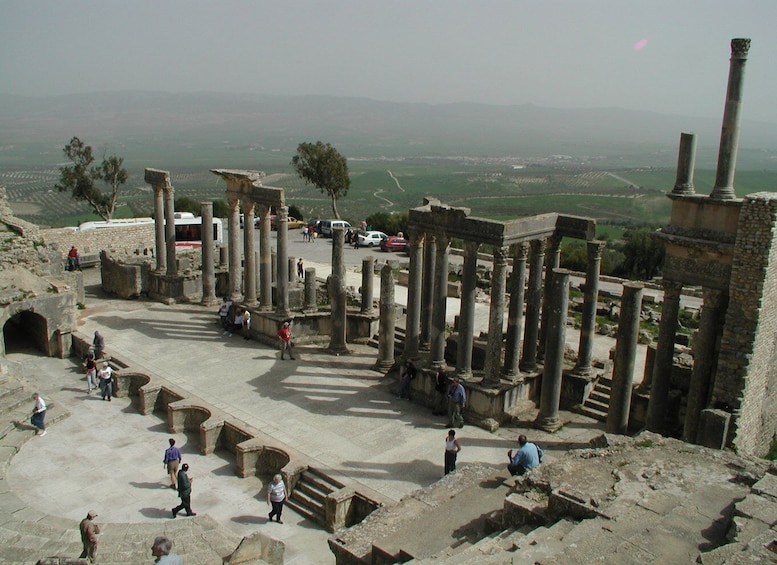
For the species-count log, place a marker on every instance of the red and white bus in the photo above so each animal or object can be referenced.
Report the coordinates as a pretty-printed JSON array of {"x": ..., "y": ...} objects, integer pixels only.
[{"x": 188, "y": 229}]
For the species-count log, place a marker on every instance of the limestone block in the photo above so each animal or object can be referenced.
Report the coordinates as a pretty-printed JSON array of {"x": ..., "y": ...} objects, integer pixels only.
[{"x": 258, "y": 546}]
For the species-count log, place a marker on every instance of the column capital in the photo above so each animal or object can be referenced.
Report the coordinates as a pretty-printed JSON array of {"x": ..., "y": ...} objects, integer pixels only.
[
  {"x": 521, "y": 251},
  {"x": 713, "y": 298},
  {"x": 471, "y": 247},
  {"x": 595, "y": 248},
  {"x": 672, "y": 289},
  {"x": 500, "y": 255},
  {"x": 538, "y": 246},
  {"x": 553, "y": 243}
]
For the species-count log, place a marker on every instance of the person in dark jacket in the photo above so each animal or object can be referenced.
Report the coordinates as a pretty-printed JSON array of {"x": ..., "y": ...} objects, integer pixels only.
[{"x": 184, "y": 492}]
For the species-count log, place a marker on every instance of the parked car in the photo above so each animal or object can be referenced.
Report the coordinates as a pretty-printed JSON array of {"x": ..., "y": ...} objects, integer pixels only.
[
  {"x": 370, "y": 238},
  {"x": 326, "y": 226},
  {"x": 394, "y": 243},
  {"x": 292, "y": 223}
]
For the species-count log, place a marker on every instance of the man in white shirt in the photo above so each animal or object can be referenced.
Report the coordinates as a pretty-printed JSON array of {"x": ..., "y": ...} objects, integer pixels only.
[
  {"x": 39, "y": 415},
  {"x": 105, "y": 375}
]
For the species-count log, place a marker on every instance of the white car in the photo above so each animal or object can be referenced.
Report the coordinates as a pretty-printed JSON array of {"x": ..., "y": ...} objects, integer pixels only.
[{"x": 370, "y": 238}]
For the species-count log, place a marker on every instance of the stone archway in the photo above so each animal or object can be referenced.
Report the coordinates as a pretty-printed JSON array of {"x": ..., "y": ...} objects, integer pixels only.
[{"x": 24, "y": 329}]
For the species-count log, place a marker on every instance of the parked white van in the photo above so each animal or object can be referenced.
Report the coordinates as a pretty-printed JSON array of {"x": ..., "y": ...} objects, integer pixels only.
[{"x": 328, "y": 225}]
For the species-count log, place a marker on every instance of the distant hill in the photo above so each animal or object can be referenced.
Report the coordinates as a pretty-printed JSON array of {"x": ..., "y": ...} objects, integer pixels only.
[{"x": 359, "y": 127}]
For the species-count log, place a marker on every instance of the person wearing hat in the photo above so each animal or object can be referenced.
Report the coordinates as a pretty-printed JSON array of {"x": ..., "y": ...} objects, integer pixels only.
[
  {"x": 89, "y": 531},
  {"x": 284, "y": 334},
  {"x": 184, "y": 492},
  {"x": 106, "y": 376}
]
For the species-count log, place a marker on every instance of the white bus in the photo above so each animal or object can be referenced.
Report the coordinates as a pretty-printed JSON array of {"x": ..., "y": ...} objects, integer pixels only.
[{"x": 188, "y": 229}]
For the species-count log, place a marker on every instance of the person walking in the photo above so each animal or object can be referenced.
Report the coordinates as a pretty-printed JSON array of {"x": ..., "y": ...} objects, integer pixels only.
[
  {"x": 184, "y": 492},
  {"x": 527, "y": 457},
  {"x": 38, "y": 418},
  {"x": 300, "y": 269},
  {"x": 457, "y": 400},
  {"x": 161, "y": 550},
  {"x": 452, "y": 448},
  {"x": 224, "y": 314},
  {"x": 171, "y": 461},
  {"x": 91, "y": 373},
  {"x": 98, "y": 344},
  {"x": 284, "y": 335},
  {"x": 276, "y": 495},
  {"x": 89, "y": 531},
  {"x": 106, "y": 381}
]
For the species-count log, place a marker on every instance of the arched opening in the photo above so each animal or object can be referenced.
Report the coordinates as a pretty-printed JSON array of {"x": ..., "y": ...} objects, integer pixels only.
[{"x": 24, "y": 331}]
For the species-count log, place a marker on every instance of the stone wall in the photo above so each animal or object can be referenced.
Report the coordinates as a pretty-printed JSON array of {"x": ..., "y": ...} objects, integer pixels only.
[
  {"x": 118, "y": 240},
  {"x": 746, "y": 380}
]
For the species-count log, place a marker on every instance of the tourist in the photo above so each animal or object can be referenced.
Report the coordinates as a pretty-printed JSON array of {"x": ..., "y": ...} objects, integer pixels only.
[
  {"x": 38, "y": 418},
  {"x": 106, "y": 381},
  {"x": 527, "y": 457},
  {"x": 91, "y": 372},
  {"x": 457, "y": 400},
  {"x": 171, "y": 461},
  {"x": 237, "y": 322},
  {"x": 161, "y": 550},
  {"x": 98, "y": 345},
  {"x": 300, "y": 269},
  {"x": 406, "y": 374},
  {"x": 73, "y": 261},
  {"x": 304, "y": 234},
  {"x": 440, "y": 388},
  {"x": 89, "y": 531},
  {"x": 284, "y": 335},
  {"x": 276, "y": 495},
  {"x": 246, "y": 324},
  {"x": 452, "y": 448},
  {"x": 224, "y": 314},
  {"x": 184, "y": 492}
]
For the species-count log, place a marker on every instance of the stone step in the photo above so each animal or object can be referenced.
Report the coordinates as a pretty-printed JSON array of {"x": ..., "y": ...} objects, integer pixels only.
[
  {"x": 307, "y": 512},
  {"x": 310, "y": 492},
  {"x": 592, "y": 413},
  {"x": 15, "y": 427},
  {"x": 324, "y": 478},
  {"x": 598, "y": 396},
  {"x": 597, "y": 405},
  {"x": 313, "y": 504}
]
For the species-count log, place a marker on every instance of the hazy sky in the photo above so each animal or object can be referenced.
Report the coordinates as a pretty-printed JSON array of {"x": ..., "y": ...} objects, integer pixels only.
[{"x": 669, "y": 56}]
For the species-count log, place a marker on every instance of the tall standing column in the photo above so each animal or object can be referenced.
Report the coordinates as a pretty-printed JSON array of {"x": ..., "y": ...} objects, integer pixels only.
[
  {"x": 413, "y": 329},
  {"x": 311, "y": 302},
  {"x": 337, "y": 297},
  {"x": 159, "y": 228},
  {"x": 515, "y": 310},
  {"x": 208, "y": 266},
  {"x": 233, "y": 221},
  {"x": 711, "y": 321},
  {"x": 583, "y": 367},
  {"x": 265, "y": 260},
  {"x": 493, "y": 367},
  {"x": 552, "y": 261},
  {"x": 368, "y": 278},
  {"x": 249, "y": 253},
  {"x": 683, "y": 184},
  {"x": 550, "y": 397},
  {"x": 625, "y": 354},
  {"x": 662, "y": 366},
  {"x": 282, "y": 265},
  {"x": 467, "y": 310},
  {"x": 172, "y": 263},
  {"x": 533, "y": 303},
  {"x": 729, "y": 135},
  {"x": 437, "y": 345},
  {"x": 387, "y": 321},
  {"x": 427, "y": 291}
]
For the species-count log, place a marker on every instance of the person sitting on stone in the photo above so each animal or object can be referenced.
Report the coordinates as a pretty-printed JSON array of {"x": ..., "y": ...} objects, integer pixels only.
[{"x": 526, "y": 458}]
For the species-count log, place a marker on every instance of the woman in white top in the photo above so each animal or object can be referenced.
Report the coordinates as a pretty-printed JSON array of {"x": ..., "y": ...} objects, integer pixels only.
[
  {"x": 276, "y": 495},
  {"x": 452, "y": 449}
]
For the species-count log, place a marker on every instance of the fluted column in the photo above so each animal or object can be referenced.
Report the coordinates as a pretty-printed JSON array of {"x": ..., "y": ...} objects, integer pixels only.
[
  {"x": 413, "y": 329},
  {"x": 467, "y": 310},
  {"x": 282, "y": 264},
  {"x": 159, "y": 228},
  {"x": 427, "y": 291},
  {"x": 712, "y": 316},
  {"x": 493, "y": 367},
  {"x": 368, "y": 278},
  {"x": 662, "y": 366},
  {"x": 533, "y": 303},
  {"x": 625, "y": 355},
  {"x": 233, "y": 221},
  {"x": 440, "y": 301},
  {"x": 387, "y": 320},
  {"x": 585, "y": 348},
  {"x": 515, "y": 310},
  {"x": 208, "y": 266},
  {"x": 265, "y": 260},
  {"x": 552, "y": 261},
  {"x": 249, "y": 254},
  {"x": 172, "y": 263},
  {"x": 550, "y": 397}
]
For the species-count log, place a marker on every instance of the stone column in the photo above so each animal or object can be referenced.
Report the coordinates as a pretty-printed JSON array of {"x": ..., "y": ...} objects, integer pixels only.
[
  {"x": 625, "y": 353},
  {"x": 368, "y": 278},
  {"x": 729, "y": 135},
  {"x": 223, "y": 256},
  {"x": 552, "y": 261},
  {"x": 591, "y": 297},
  {"x": 437, "y": 344},
  {"x": 387, "y": 321},
  {"x": 265, "y": 260},
  {"x": 282, "y": 265},
  {"x": 172, "y": 263},
  {"x": 291, "y": 269},
  {"x": 683, "y": 184},
  {"x": 249, "y": 253},
  {"x": 235, "y": 271},
  {"x": 662, "y": 367},
  {"x": 550, "y": 397},
  {"x": 208, "y": 266},
  {"x": 533, "y": 302},
  {"x": 413, "y": 329},
  {"x": 427, "y": 291},
  {"x": 159, "y": 228},
  {"x": 493, "y": 367},
  {"x": 311, "y": 303},
  {"x": 515, "y": 309},
  {"x": 712, "y": 317},
  {"x": 337, "y": 297},
  {"x": 467, "y": 310}
]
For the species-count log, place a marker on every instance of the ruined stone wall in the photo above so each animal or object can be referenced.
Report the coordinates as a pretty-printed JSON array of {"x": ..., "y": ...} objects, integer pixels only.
[
  {"x": 119, "y": 240},
  {"x": 746, "y": 379}
]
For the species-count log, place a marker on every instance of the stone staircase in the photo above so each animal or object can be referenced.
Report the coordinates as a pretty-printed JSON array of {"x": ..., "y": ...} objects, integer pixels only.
[
  {"x": 15, "y": 410},
  {"x": 309, "y": 495},
  {"x": 598, "y": 404},
  {"x": 399, "y": 341}
]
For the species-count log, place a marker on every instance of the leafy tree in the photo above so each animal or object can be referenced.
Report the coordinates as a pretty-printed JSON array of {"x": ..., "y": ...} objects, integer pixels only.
[
  {"x": 644, "y": 254},
  {"x": 388, "y": 223},
  {"x": 220, "y": 209},
  {"x": 186, "y": 204},
  {"x": 295, "y": 212},
  {"x": 325, "y": 168},
  {"x": 79, "y": 178}
]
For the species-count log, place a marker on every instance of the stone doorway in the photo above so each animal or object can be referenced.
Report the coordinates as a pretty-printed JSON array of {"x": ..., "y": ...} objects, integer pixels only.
[{"x": 24, "y": 331}]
